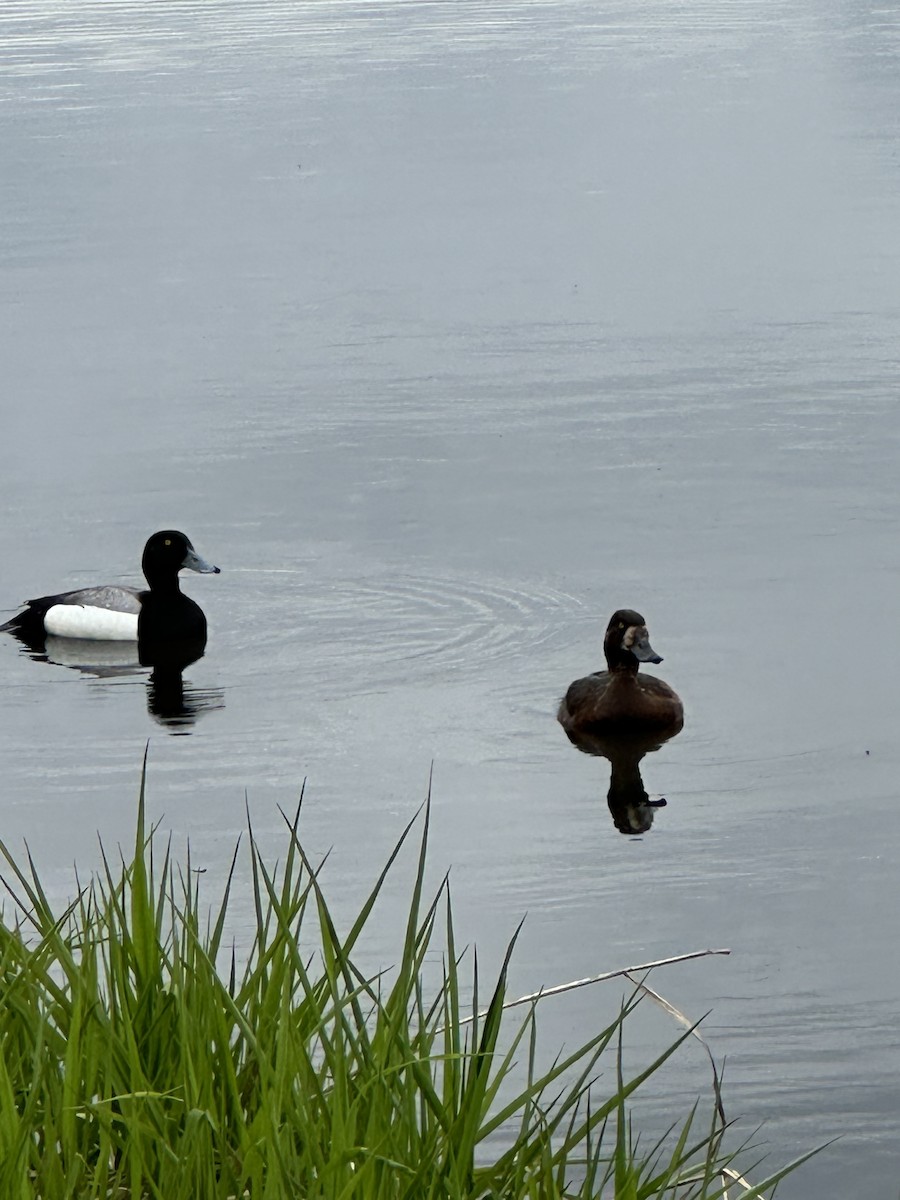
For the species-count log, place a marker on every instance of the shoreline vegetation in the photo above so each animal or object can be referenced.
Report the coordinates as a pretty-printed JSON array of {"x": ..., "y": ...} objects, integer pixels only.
[{"x": 132, "y": 1067}]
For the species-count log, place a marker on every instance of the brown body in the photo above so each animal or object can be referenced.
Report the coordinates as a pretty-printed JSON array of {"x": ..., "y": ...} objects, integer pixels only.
[{"x": 619, "y": 698}]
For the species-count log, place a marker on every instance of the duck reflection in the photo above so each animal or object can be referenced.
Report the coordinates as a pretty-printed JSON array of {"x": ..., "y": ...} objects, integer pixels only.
[
  {"x": 103, "y": 660},
  {"x": 170, "y": 701},
  {"x": 631, "y": 808}
]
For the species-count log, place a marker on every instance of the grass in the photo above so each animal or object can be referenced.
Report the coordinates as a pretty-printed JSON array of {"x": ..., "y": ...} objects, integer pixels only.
[{"x": 135, "y": 1065}]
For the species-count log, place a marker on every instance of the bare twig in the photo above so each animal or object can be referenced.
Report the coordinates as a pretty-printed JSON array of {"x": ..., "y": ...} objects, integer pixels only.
[{"x": 560, "y": 988}]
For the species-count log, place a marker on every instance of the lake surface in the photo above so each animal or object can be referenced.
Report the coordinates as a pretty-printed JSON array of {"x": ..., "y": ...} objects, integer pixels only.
[{"x": 445, "y": 330}]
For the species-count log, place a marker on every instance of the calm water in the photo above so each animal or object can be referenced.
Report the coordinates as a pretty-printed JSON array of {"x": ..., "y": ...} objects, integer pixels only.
[{"x": 446, "y": 329}]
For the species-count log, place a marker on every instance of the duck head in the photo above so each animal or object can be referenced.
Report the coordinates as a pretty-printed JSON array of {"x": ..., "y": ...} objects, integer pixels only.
[
  {"x": 167, "y": 552},
  {"x": 627, "y": 642}
]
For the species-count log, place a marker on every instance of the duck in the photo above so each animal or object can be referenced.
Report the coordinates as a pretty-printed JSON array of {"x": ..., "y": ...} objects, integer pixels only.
[
  {"x": 159, "y": 614},
  {"x": 619, "y": 699}
]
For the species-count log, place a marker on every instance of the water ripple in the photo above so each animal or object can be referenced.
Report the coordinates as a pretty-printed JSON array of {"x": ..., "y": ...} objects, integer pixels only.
[
  {"x": 436, "y": 623},
  {"x": 47, "y": 40}
]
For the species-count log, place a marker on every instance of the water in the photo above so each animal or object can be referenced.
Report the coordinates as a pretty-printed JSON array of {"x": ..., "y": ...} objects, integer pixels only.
[{"x": 445, "y": 330}]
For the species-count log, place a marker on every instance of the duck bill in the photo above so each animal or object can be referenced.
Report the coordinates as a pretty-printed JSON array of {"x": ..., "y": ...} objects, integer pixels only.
[
  {"x": 643, "y": 651},
  {"x": 194, "y": 562}
]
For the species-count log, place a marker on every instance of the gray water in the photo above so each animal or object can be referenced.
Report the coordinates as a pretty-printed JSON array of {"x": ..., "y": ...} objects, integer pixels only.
[{"x": 446, "y": 329}]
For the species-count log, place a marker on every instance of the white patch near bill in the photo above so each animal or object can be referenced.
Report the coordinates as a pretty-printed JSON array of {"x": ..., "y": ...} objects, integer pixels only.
[{"x": 94, "y": 624}]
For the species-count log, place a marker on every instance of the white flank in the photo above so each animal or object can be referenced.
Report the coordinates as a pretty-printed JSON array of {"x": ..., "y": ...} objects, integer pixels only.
[{"x": 95, "y": 624}]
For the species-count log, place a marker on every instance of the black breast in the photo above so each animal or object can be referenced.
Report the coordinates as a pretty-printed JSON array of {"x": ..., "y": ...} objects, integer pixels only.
[{"x": 170, "y": 625}]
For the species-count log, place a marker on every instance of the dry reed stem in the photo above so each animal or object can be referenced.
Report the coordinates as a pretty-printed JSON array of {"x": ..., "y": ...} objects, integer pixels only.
[
  {"x": 691, "y": 1027},
  {"x": 560, "y": 988}
]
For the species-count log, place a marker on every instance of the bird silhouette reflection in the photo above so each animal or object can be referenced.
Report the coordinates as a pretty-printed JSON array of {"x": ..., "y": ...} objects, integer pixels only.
[
  {"x": 171, "y": 701},
  {"x": 631, "y": 808}
]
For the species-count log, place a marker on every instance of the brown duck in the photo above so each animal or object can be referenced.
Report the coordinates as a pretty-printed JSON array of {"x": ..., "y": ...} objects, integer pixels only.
[{"x": 619, "y": 698}]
